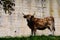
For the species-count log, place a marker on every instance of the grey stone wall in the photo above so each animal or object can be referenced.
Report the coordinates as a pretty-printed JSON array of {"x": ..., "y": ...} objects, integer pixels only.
[{"x": 15, "y": 22}]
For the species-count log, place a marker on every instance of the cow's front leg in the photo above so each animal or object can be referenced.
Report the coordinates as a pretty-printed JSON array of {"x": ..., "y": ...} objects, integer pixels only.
[{"x": 32, "y": 33}]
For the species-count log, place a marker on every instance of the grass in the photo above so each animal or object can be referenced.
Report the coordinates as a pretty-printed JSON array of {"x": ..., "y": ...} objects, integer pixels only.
[{"x": 32, "y": 38}]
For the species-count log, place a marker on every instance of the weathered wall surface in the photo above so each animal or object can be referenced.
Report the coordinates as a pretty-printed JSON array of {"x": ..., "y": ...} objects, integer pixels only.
[{"x": 15, "y": 22}]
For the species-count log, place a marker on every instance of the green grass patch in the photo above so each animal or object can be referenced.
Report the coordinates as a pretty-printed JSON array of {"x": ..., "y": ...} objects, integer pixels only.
[{"x": 32, "y": 38}]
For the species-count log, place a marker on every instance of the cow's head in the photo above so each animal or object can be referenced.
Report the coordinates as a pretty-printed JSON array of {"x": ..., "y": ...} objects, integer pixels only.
[{"x": 28, "y": 16}]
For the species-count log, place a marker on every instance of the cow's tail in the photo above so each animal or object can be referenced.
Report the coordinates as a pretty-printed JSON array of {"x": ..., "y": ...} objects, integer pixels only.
[{"x": 53, "y": 23}]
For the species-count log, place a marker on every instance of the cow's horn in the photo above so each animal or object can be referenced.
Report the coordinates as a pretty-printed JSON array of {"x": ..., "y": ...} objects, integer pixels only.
[
  {"x": 23, "y": 13},
  {"x": 34, "y": 13}
]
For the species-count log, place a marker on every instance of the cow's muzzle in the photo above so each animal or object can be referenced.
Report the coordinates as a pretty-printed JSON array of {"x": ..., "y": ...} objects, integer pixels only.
[{"x": 24, "y": 16}]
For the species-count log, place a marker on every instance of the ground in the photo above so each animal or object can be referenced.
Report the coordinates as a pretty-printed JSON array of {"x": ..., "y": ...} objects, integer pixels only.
[{"x": 43, "y": 37}]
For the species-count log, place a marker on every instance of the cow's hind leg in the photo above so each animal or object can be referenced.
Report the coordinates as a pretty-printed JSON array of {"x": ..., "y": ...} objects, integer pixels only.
[
  {"x": 52, "y": 29},
  {"x": 52, "y": 32}
]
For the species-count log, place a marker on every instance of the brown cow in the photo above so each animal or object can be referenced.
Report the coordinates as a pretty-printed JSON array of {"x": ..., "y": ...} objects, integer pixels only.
[{"x": 39, "y": 23}]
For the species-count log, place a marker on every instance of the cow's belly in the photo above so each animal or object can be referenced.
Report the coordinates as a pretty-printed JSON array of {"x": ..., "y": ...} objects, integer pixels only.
[{"x": 41, "y": 28}]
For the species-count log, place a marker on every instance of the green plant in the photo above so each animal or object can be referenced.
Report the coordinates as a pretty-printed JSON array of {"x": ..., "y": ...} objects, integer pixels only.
[{"x": 7, "y": 6}]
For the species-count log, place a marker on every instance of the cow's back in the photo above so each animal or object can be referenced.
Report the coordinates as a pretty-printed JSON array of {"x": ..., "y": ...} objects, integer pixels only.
[{"x": 43, "y": 21}]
